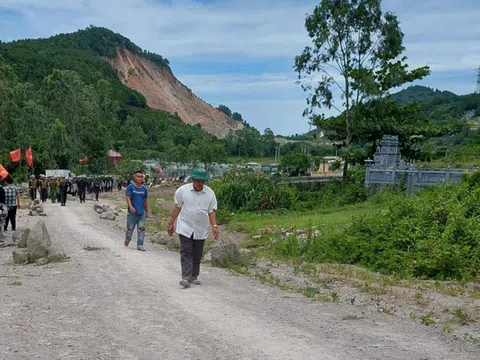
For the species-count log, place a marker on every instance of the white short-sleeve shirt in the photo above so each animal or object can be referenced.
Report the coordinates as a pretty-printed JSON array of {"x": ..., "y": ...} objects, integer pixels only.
[{"x": 195, "y": 207}]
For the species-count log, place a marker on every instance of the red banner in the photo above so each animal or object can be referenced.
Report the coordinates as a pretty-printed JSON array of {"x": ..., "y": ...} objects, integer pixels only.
[
  {"x": 29, "y": 156},
  {"x": 84, "y": 160},
  {"x": 3, "y": 172},
  {"x": 16, "y": 155}
]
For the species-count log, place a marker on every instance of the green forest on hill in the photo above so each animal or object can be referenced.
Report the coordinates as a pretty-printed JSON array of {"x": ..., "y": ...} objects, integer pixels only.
[{"x": 61, "y": 97}]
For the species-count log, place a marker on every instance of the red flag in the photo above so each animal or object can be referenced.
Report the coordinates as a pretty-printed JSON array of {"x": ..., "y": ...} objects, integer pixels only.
[
  {"x": 29, "y": 156},
  {"x": 16, "y": 155},
  {"x": 84, "y": 160},
  {"x": 3, "y": 172}
]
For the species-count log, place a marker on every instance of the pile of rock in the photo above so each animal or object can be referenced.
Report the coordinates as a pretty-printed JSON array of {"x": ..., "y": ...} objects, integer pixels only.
[
  {"x": 36, "y": 209},
  {"x": 285, "y": 234},
  {"x": 106, "y": 212},
  {"x": 32, "y": 244}
]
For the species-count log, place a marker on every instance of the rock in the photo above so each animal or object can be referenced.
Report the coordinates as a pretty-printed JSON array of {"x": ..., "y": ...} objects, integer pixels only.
[
  {"x": 207, "y": 257},
  {"x": 302, "y": 237},
  {"x": 5, "y": 244},
  {"x": 108, "y": 215},
  {"x": 99, "y": 211},
  {"x": 38, "y": 242},
  {"x": 161, "y": 238},
  {"x": 41, "y": 262},
  {"x": 42, "y": 214},
  {"x": 97, "y": 207},
  {"x": 256, "y": 237},
  {"x": 224, "y": 254},
  {"x": 106, "y": 208},
  {"x": 116, "y": 213},
  {"x": 36, "y": 202},
  {"x": 173, "y": 243},
  {"x": 38, "y": 208},
  {"x": 316, "y": 233},
  {"x": 20, "y": 256},
  {"x": 33, "y": 213},
  {"x": 117, "y": 209},
  {"x": 20, "y": 237}
]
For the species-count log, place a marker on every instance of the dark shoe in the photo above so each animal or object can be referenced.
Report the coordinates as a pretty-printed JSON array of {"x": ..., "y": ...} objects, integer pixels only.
[
  {"x": 196, "y": 282},
  {"x": 185, "y": 283}
]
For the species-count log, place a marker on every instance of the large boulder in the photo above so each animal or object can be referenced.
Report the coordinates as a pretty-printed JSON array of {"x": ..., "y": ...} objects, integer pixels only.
[
  {"x": 97, "y": 207},
  {"x": 173, "y": 243},
  {"x": 106, "y": 207},
  {"x": 20, "y": 237},
  {"x": 161, "y": 238},
  {"x": 33, "y": 213},
  {"x": 224, "y": 254},
  {"x": 38, "y": 242},
  {"x": 20, "y": 256},
  {"x": 108, "y": 215},
  {"x": 99, "y": 211}
]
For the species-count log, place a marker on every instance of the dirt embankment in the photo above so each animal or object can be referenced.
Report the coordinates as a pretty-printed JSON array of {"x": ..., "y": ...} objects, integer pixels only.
[{"x": 164, "y": 92}]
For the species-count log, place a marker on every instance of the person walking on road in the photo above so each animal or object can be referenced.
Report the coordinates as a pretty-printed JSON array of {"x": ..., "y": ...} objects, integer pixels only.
[
  {"x": 195, "y": 211},
  {"x": 137, "y": 201},
  {"x": 43, "y": 188},
  {"x": 12, "y": 201},
  {"x": 63, "y": 191},
  {"x": 82, "y": 187},
  {"x": 33, "y": 185},
  {"x": 53, "y": 190}
]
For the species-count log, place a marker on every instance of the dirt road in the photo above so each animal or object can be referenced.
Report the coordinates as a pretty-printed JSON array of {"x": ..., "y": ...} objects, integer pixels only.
[{"x": 119, "y": 303}]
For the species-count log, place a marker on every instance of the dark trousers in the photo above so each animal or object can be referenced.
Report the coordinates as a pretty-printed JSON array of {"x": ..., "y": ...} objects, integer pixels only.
[
  {"x": 191, "y": 252},
  {"x": 43, "y": 194},
  {"x": 63, "y": 195},
  {"x": 33, "y": 193},
  {"x": 81, "y": 195},
  {"x": 12, "y": 217},
  {"x": 96, "y": 191}
]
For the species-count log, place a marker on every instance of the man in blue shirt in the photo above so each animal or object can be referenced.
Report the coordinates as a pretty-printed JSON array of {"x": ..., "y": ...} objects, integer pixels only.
[{"x": 137, "y": 200}]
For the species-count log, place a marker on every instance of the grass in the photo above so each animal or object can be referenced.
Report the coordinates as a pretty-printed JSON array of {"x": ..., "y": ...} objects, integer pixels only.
[
  {"x": 326, "y": 220},
  {"x": 56, "y": 258}
]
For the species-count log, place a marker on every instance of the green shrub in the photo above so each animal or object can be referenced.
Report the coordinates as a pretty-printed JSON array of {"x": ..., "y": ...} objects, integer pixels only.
[
  {"x": 433, "y": 236},
  {"x": 250, "y": 192}
]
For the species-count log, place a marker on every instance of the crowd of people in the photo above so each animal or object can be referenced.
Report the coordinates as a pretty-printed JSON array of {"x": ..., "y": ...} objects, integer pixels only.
[{"x": 57, "y": 189}]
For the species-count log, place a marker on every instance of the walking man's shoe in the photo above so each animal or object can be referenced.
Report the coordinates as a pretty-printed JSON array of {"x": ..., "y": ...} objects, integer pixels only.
[
  {"x": 196, "y": 282},
  {"x": 185, "y": 283}
]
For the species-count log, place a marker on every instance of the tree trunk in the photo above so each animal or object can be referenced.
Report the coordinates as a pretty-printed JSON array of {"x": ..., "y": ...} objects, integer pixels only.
[{"x": 345, "y": 166}]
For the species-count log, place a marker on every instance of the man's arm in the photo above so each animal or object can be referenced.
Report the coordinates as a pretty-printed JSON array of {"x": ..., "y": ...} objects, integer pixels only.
[
  {"x": 18, "y": 199},
  {"x": 145, "y": 205},
  {"x": 129, "y": 202},
  {"x": 173, "y": 217},
  {"x": 213, "y": 221}
]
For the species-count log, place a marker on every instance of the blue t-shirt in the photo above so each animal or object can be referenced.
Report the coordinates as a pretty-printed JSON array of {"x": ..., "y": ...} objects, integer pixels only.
[{"x": 137, "y": 195}]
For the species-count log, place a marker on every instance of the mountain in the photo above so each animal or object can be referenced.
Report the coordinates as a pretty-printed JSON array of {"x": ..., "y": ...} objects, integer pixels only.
[
  {"x": 98, "y": 53},
  {"x": 420, "y": 93}
]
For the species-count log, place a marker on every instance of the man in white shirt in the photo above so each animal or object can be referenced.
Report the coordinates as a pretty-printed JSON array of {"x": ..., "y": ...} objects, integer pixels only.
[{"x": 195, "y": 211}]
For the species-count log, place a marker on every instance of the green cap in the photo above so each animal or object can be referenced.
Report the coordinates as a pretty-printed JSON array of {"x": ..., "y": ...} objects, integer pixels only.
[{"x": 200, "y": 174}]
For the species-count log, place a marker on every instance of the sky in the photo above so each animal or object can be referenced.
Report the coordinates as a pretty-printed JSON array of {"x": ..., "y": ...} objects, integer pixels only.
[{"x": 240, "y": 52}]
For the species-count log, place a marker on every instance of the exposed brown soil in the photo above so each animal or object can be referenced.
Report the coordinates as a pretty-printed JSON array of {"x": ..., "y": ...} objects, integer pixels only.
[{"x": 164, "y": 92}]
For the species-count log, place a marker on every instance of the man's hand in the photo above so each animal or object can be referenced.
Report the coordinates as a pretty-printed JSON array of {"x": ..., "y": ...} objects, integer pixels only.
[
  {"x": 170, "y": 228},
  {"x": 132, "y": 210},
  {"x": 215, "y": 232}
]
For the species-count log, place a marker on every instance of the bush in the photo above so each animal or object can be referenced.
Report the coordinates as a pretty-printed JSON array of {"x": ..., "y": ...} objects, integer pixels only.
[
  {"x": 250, "y": 192},
  {"x": 434, "y": 236}
]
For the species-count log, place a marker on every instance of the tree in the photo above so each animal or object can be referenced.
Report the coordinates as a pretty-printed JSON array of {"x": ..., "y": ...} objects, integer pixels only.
[
  {"x": 356, "y": 51},
  {"x": 225, "y": 109},
  {"x": 237, "y": 117},
  {"x": 295, "y": 164}
]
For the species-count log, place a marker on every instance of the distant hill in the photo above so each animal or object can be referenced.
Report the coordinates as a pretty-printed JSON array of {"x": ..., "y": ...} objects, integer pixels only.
[
  {"x": 420, "y": 93},
  {"x": 138, "y": 77}
]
